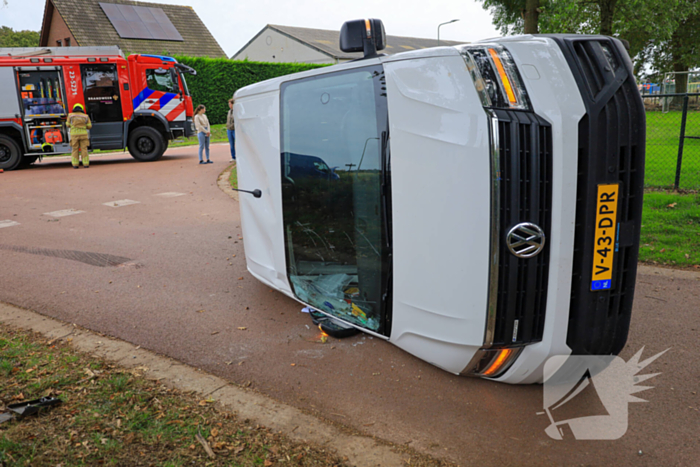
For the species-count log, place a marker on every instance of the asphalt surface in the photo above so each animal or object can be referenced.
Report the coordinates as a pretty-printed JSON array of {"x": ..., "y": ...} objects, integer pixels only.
[{"x": 169, "y": 274}]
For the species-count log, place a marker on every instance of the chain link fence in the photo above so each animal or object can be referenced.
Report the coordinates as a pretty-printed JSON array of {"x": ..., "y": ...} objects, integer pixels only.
[{"x": 673, "y": 140}]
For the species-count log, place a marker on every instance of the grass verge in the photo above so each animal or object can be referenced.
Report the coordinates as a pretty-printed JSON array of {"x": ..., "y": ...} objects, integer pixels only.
[
  {"x": 112, "y": 416},
  {"x": 218, "y": 135},
  {"x": 663, "y": 131},
  {"x": 233, "y": 178},
  {"x": 671, "y": 230}
]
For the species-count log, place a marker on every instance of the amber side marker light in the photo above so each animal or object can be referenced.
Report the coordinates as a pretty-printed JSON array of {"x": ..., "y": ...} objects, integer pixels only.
[
  {"x": 501, "y": 359},
  {"x": 504, "y": 76}
]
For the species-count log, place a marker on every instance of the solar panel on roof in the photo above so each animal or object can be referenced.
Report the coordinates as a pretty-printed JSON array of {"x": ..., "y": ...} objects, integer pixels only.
[
  {"x": 168, "y": 29},
  {"x": 136, "y": 22},
  {"x": 117, "y": 19}
]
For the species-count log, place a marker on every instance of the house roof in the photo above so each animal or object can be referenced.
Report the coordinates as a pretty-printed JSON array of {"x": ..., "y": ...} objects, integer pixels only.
[
  {"x": 327, "y": 41},
  {"x": 90, "y": 26}
]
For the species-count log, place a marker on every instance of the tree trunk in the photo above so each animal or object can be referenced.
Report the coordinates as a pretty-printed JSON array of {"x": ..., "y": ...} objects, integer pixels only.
[
  {"x": 678, "y": 65},
  {"x": 681, "y": 78},
  {"x": 532, "y": 14},
  {"x": 607, "y": 13}
]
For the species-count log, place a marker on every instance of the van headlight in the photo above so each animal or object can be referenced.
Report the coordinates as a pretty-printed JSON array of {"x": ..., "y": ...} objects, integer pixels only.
[
  {"x": 492, "y": 363},
  {"x": 495, "y": 76}
]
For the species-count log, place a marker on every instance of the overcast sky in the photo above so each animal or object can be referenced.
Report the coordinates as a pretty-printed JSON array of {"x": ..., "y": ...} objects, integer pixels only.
[{"x": 233, "y": 23}]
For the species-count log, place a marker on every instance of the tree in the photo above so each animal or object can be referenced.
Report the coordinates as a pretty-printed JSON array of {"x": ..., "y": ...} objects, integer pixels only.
[
  {"x": 11, "y": 38},
  {"x": 679, "y": 53},
  {"x": 515, "y": 16},
  {"x": 662, "y": 34}
]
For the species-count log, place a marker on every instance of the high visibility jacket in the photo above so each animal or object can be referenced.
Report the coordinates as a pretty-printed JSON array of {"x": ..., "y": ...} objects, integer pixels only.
[{"x": 79, "y": 123}]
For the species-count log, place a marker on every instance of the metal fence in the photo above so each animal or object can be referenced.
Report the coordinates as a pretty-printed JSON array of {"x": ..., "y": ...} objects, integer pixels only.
[{"x": 673, "y": 140}]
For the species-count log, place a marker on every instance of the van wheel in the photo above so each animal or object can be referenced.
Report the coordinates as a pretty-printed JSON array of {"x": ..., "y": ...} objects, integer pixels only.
[
  {"x": 27, "y": 161},
  {"x": 10, "y": 154},
  {"x": 146, "y": 144}
]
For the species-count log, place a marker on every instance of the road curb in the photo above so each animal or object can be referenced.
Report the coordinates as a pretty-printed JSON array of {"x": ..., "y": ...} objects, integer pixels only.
[
  {"x": 292, "y": 422},
  {"x": 224, "y": 184}
]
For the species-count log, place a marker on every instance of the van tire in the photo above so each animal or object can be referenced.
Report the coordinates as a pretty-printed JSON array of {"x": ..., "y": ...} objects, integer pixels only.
[
  {"x": 146, "y": 144},
  {"x": 10, "y": 153}
]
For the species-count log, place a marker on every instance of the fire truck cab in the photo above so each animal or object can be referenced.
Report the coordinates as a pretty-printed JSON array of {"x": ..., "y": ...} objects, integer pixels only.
[{"x": 141, "y": 102}]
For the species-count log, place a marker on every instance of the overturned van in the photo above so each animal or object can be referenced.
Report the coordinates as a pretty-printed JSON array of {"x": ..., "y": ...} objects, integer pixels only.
[{"x": 477, "y": 206}]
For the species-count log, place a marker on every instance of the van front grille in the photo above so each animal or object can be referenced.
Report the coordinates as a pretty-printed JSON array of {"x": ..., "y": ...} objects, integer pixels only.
[{"x": 525, "y": 192}]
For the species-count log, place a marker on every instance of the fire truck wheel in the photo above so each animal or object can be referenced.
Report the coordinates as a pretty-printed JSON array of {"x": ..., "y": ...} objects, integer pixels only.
[
  {"x": 146, "y": 144},
  {"x": 10, "y": 155}
]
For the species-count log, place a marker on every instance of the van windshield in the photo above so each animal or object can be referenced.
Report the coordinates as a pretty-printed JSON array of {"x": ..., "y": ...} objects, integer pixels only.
[{"x": 333, "y": 215}]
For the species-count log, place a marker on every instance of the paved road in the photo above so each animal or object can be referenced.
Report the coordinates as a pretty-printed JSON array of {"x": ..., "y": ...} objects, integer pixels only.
[{"x": 169, "y": 274}]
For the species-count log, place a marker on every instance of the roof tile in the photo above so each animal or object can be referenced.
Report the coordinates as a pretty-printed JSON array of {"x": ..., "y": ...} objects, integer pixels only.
[
  {"x": 327, "y": 41},
  {"x": 91, "y": 27}
]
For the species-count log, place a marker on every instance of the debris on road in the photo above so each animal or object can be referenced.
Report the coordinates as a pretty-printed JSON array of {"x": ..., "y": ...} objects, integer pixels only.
[
  {"x": 23, "y": 409},
  {"x": 205, "y": 445}
]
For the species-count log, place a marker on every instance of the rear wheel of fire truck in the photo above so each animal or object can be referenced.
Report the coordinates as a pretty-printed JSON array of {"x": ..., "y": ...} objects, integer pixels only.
[
  {"x": 146, "y": 144},
  {"x": 10, "y": 154}
]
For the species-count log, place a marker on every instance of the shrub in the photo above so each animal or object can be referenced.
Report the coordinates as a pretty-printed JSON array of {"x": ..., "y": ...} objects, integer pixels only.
[{"x": 218, "y": 78}]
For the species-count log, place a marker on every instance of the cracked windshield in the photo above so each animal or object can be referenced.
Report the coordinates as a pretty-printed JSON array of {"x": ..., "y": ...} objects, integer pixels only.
[{"x": 335, "y": 235}]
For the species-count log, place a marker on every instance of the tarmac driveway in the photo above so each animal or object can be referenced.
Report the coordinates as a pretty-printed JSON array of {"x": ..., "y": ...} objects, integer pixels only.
[{"x": 164, "y": 268}]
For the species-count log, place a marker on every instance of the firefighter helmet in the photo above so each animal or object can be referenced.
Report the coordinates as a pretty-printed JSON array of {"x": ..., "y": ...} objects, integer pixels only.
[{"x": 78, "y": 107}]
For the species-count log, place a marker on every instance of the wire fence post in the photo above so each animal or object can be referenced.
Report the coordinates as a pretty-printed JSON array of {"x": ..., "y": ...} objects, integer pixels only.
[{"x": 681, "y": 139}]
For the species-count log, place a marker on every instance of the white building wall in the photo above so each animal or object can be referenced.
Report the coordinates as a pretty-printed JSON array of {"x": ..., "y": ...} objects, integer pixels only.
[{"x": 271, "y": 46}]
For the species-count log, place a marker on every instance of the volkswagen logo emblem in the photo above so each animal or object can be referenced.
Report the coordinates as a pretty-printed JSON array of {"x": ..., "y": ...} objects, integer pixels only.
[{"x": 525, "y": 240}]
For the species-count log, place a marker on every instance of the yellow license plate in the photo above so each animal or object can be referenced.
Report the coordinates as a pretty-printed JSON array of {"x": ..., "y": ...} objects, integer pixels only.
[{"x": 605, "y": 234}]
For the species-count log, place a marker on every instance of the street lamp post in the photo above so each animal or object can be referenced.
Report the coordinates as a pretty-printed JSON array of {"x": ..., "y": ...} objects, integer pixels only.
[{"x": 442, "y": 24}]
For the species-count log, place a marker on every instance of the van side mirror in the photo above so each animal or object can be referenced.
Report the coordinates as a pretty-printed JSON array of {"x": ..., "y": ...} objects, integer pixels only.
[{"x": 363, "y": 35}]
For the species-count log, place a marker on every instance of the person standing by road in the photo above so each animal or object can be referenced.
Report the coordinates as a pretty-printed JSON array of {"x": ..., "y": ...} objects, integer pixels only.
[
  {"x": 79, "y": 124},
  {"x": 201, "y": 124},
  {"x": 231, "y": 130}
]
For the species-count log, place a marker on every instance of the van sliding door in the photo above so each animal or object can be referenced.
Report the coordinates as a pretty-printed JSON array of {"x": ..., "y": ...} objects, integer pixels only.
[{"x": 333, "y": 129}]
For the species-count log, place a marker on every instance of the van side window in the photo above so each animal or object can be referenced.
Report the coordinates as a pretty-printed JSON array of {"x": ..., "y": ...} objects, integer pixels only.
[{"x": 332, "y": 127}]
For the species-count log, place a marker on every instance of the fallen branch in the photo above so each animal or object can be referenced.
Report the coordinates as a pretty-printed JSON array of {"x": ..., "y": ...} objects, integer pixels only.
[
  {"x": 655, "y": 298},
  {"x": 205, "y": 445}
]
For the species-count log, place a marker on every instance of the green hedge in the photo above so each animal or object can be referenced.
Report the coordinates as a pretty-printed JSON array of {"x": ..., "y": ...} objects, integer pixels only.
[{"x": 218, "y": 78}]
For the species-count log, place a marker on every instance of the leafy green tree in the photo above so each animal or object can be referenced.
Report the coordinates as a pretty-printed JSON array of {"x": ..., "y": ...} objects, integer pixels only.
[
  {"x": 637, "y": 21},
  {"x": 515, "y": 16},
  {"x": 662, "y": 34},
  {"x": 679, "y": 53},
  {"x": 11, "y": 38}
]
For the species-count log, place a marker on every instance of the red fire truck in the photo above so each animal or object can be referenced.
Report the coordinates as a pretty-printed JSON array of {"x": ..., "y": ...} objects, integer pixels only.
[{"x": 140, "y": 102}]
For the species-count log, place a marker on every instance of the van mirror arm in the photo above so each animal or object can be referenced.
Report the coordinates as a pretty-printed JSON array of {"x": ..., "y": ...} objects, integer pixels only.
[{"x": 256, "y": 193}]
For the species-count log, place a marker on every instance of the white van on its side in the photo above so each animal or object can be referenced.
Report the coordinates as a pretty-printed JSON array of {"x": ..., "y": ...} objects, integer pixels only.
[{"x": 478, "y": 206}]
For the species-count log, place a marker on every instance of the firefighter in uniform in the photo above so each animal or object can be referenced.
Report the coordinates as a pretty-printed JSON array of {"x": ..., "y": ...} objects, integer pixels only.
[{"x": 79, "y": 124}]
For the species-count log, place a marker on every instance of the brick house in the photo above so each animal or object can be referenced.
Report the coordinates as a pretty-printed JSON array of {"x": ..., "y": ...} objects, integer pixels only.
[{"x": 136, "y": 27}]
